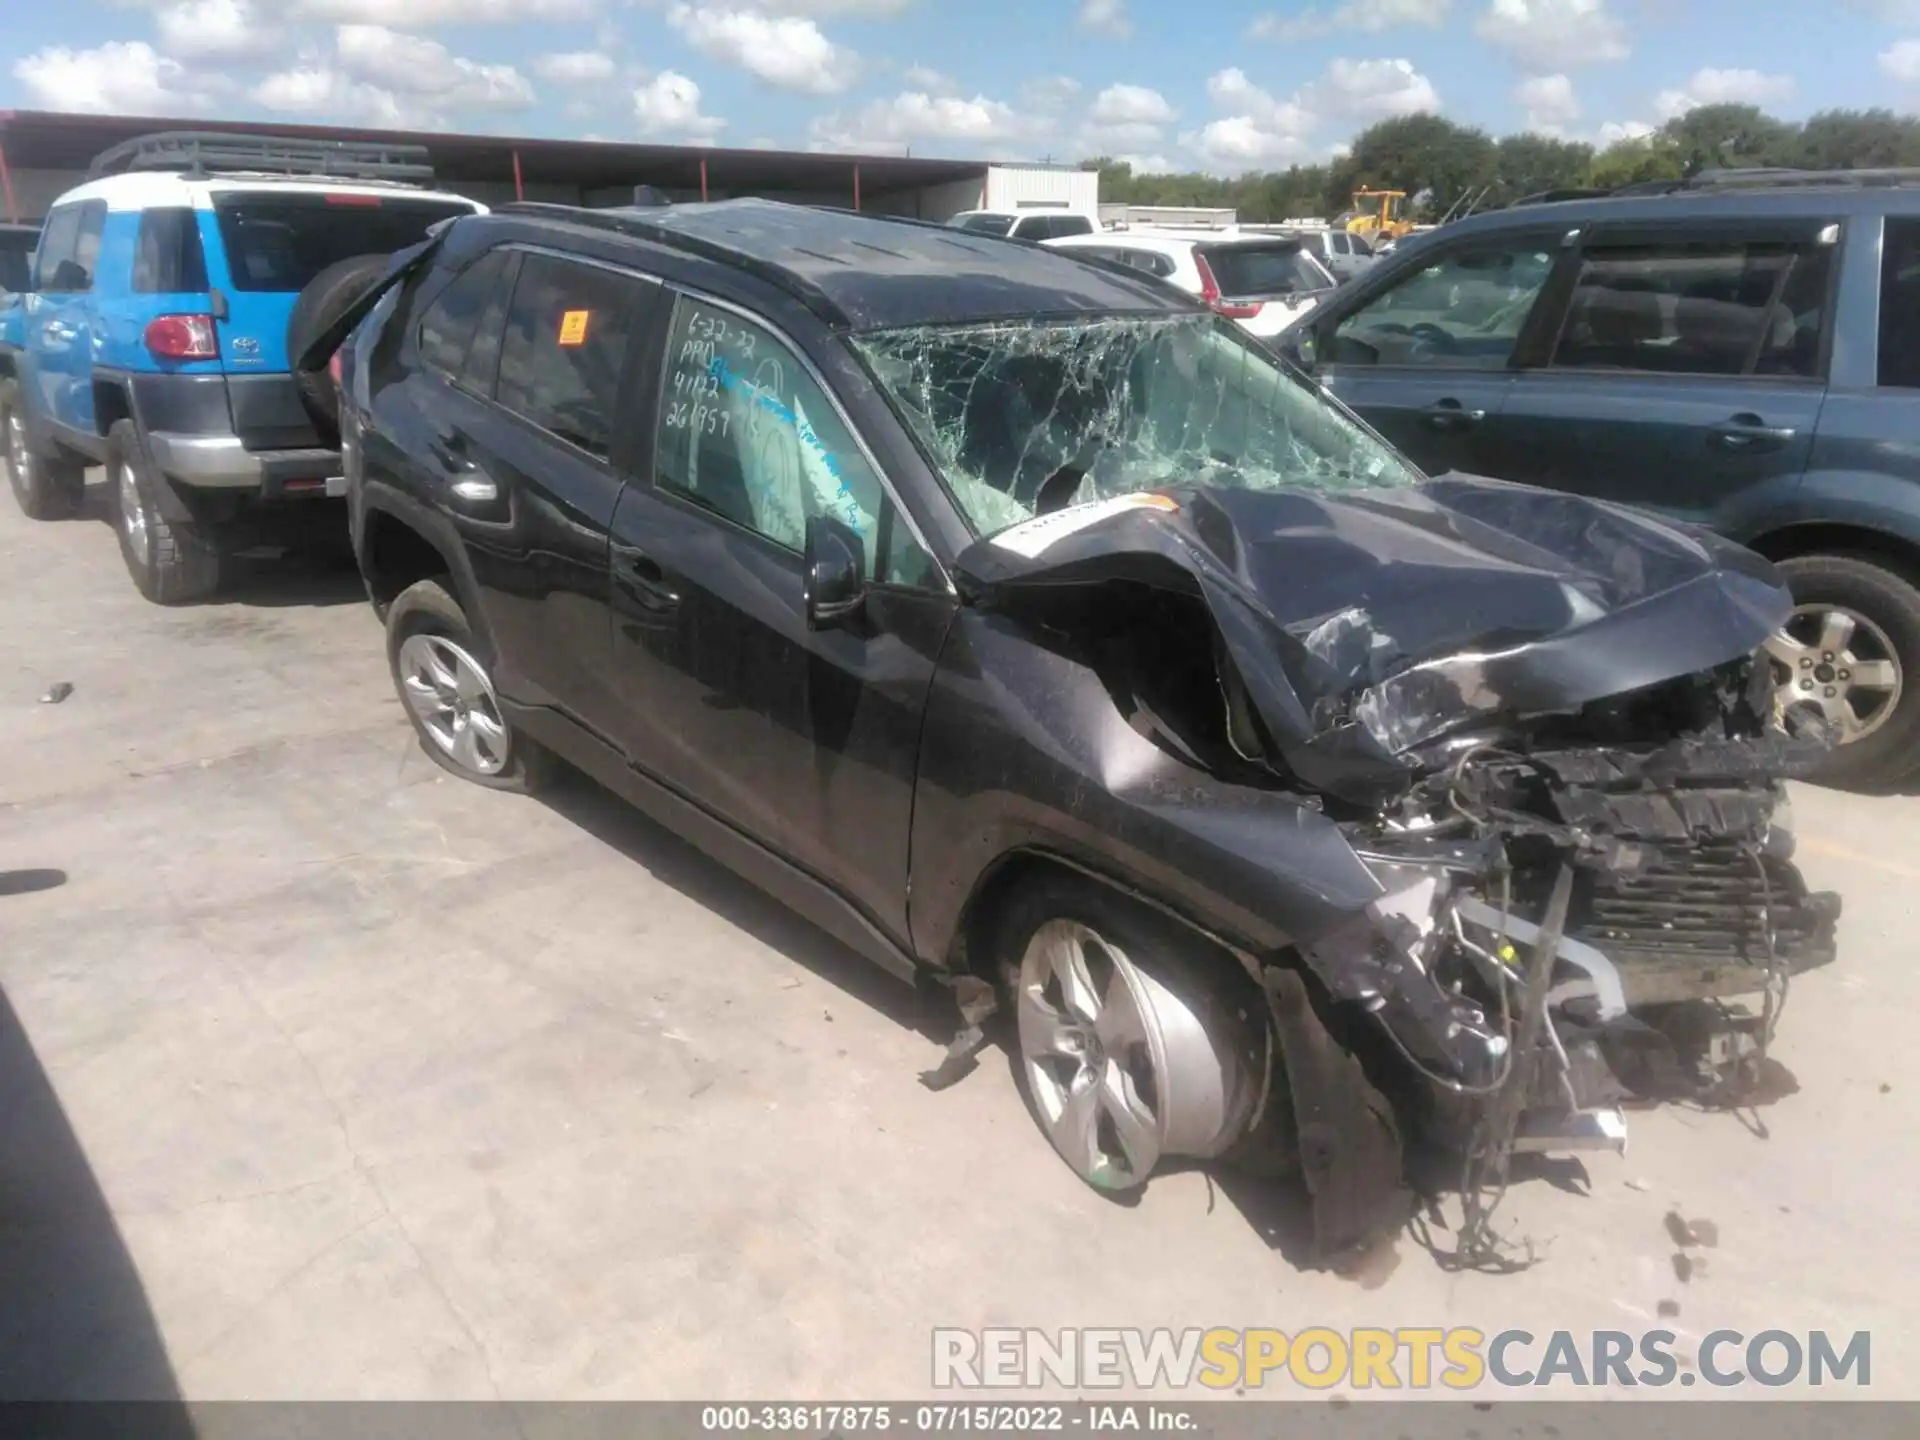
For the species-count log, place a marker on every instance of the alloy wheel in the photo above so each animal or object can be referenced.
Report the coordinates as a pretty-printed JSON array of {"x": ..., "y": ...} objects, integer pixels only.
[
  {"x": 448, "y": 690},
  {"x": 1122, "y": 1070},
  {"x": 1838, "y": 664},
  {"x": 133, "y": 514}
]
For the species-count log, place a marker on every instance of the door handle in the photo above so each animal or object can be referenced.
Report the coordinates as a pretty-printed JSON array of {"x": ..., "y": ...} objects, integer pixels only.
[
  {"x": 450, "y": 450},
  {"x": 644, "y": 579},
  {"x": 1451, "y": 415},
  {"x": 1748, "y": 432}
]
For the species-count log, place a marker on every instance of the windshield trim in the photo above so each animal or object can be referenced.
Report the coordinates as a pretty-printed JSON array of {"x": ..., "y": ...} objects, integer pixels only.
[{"x": 1287, "y": 365}]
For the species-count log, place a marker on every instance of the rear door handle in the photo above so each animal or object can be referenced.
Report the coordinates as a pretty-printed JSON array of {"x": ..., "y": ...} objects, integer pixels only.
[
  {"x": 1749, "y": 433},
  {"x": 644, "y": 579},
  {"x": 470, "y": 482},
  {"x": 1451, "y": 415}
]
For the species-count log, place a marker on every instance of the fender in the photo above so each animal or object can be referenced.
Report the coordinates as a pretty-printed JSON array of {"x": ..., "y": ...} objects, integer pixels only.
[
  {"x": 377, "y": 498},
  {"x": 1866, "y": 499}
]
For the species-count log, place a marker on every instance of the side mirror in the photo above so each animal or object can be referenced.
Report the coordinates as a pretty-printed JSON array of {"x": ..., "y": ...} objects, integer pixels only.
[
  {"x": 835, "y": 567},
  {"x": 1297, "y": 346}
]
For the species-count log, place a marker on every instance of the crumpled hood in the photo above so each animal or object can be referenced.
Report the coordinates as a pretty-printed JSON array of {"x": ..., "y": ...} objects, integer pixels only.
[{"x": 1365, "y": 623}]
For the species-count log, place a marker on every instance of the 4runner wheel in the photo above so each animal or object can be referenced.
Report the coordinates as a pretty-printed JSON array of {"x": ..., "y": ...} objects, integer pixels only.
[
  {"x": 1849, "y": 654},
  {"x": 1136, "y": 1044},
  {"x": 46, "y": 489},
  {"x": 172, "y": 561},
  {"x": 444, "y": 677}
]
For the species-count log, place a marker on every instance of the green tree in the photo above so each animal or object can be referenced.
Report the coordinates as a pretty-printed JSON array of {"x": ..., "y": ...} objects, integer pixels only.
[
  {"x": 1711, "y": 137},
  {"x": 1858, "y": 139},
  {"x": 1630, "y": 162},
  {"x": 1424, "y": 155},
  {"x": 1529, "y": 164}
]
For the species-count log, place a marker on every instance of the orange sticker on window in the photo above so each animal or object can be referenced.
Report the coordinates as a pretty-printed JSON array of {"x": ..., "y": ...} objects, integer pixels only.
[{"x": 573, "y": 327}]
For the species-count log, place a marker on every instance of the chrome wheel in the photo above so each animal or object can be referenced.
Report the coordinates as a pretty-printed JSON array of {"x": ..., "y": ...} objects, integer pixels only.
[
  {"x": 1121, "y": 1069},
  {"x": 450, "y": 694},
  {"x": 1837, "y": 664},
  {"x": 133, "y": 515}
]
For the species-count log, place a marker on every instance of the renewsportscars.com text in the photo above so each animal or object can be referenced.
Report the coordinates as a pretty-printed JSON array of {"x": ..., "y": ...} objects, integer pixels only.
[{"x": 1406, "y": 1358}]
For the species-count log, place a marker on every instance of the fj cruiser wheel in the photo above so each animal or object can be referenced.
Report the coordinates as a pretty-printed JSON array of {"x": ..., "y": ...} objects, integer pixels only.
[
  {"x": 1136, "y": 1044},
  {"x": 326, "y": 298},
  {"x": 444, "y": 677},
  {"x": 1849, "y": 655},
  {"x": 173, "y": 560},
  {"x": 46, "y": 489}
]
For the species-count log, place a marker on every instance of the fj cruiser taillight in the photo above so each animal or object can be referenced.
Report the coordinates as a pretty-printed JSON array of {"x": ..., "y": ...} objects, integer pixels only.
[
  {"x": 1210, "y": 292},
  {"x": 182, "y": 337},
  {"x": 333, "y": 368}
]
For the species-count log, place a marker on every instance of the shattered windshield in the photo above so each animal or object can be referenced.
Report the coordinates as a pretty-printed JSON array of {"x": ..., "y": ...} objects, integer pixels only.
[{"x": 1023, "y": 417}]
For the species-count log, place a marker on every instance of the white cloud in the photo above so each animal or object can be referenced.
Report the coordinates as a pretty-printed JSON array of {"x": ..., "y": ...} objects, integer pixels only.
[
  {"x": 785, "y": 50},
  {"x": 1370, "y": 90},
  {"x": 1901, "y": 61},
  {"x": 1125, "y": 118},
  {"x": 413, "y": 65},
  {"x": 1548, "y": 36},
  {"x": 316, "y": 88},
  {"x": 1724, "y": 87},
  {"x": 1261, "y": 130},
  {"x": 1106, "y": 17},
  {"x": 575, "y": 67},
  {"x": 1366, "y": 16},
  {"x": 924, "y": 77},
  {"x": 1549, "y": 101},
  {"x": 915, "y": 117},
  {"x": 1055, "y": 92},
  {"x": 1614, "y": 131},
  {"x": 424, "y": 14},
  {"x": 212, "y": 30},
  {"x": 669, "y": 106},
  {"x": 117, "y": 78}
]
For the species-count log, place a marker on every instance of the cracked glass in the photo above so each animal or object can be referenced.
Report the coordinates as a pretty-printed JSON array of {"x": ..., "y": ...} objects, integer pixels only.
[{"x": 1023, "y": 418}]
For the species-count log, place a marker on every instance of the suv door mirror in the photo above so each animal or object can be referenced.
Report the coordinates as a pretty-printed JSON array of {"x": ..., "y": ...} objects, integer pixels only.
[
  {"x": 835, "y": 573},
  {"x": 1297, "y": 346}
]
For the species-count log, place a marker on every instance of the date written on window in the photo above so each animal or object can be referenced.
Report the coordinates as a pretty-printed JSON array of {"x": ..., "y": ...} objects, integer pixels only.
[{"x": 701, "y": 419}]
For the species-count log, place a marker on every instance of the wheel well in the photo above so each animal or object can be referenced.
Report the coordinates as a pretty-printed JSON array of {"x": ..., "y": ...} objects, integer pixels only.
[
  {"x": 1902, "y": 556},
  {"x": 396, "y": 556},
  {"x": 109, "y": 405}
]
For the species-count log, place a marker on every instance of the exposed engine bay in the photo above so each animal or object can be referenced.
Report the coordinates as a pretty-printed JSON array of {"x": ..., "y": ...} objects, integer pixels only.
[{"x": 1541, "y": 724}]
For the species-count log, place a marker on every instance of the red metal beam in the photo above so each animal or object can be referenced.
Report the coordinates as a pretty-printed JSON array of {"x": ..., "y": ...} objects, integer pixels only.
[
  {"x": 856, "y": 187},
  {"x": 519, "y": 190},
  {"x": 703, "y": 179},
  {"x": 6, "y": 186}
]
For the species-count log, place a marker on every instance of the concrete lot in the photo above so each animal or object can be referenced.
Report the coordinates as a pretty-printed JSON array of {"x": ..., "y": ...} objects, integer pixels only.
[{"x": 323, "y": 1075}]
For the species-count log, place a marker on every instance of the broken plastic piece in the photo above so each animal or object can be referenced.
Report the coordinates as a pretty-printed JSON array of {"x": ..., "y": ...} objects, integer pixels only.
[{"x": 978, "y": 1001}]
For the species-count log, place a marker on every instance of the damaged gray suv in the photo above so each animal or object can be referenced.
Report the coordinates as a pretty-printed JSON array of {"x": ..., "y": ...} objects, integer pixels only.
[{"x": 1029, "y": 628}]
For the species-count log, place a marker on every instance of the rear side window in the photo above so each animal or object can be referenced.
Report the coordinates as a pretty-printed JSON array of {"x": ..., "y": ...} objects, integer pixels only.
[
  {"x": 1261, "y": 270},
  {"x": 1342, "y": 245},
  {"x": 448, "y": 327},
  {"x": 565, "y": 342},
  {"x": 16, "y": 267},
  {"x": 1900, "y": 305},
  {"x": 167, "y": 256},
  {"x": 278, "y": 243},
  {"x": 1713, "y": 308},
  {"x": 1358, "y": 244}
]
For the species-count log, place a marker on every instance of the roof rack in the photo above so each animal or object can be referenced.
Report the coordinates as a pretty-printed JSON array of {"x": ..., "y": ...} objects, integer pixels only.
[
  {"x": 205, "y": 152},
  {"x": 1782, "y": 175}
]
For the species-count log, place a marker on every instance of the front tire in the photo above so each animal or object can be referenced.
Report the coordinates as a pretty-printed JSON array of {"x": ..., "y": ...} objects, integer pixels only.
[
  {"x": 443, "y": 675},
  {"x": 1138, "y": 1041},
  {"x": 172, "y": 561},
  {"x": 45, "y": 488},
  {"x": 1851, "y": 655}
]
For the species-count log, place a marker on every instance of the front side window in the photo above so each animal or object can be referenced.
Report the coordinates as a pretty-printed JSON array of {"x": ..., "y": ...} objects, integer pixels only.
[
  {"x": 747, "y": 433},
  {"x": 1463, "y": 310},
  {"x": 1900, "y": 305},
  {"x": 1104, "y": 406},
  {"x": 565, "y": 343},
  {"x": 1712, "y": 308},
  {"x": 448, "y": 327},
  {"x": 69, "y": 248}
]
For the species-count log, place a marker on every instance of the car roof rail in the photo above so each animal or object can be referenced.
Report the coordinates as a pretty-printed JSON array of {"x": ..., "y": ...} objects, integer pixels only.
[
  {"x": 1769, "y": 176},
  {"x": 200, "y": 153}
]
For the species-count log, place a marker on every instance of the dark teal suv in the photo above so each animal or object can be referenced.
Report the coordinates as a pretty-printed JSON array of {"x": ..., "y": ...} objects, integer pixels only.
[{"x": 1741, "y": 351}]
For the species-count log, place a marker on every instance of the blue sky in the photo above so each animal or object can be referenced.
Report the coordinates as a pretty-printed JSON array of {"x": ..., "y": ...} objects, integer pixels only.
[{"x": 1224, "y": 85}]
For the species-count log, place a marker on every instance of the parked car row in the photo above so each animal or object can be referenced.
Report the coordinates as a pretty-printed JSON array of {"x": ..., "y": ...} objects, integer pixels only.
[{"x": 1034, "y": 628}]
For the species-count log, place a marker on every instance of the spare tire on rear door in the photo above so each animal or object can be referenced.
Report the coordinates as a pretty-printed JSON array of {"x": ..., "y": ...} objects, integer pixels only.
[{"x": 324, "y": 301}]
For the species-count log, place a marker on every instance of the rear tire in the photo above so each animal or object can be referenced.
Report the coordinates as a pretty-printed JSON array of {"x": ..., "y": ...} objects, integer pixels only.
[
  {"x": 326, "y": 298},
  {"x": 1881, "y": 636},
  {"x": 444, "y": 677},
  {"x": 172, "y": 561},
  {"x": 46, "y": 488}
]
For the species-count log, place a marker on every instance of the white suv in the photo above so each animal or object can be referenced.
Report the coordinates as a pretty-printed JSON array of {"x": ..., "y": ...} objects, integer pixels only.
[
  {"x": 1265, "y": 282},
  {"x": 1023, "y": 224}
]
